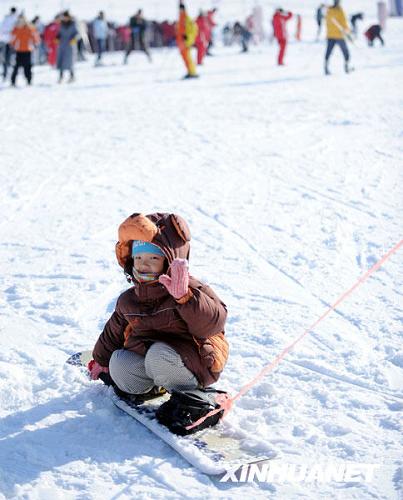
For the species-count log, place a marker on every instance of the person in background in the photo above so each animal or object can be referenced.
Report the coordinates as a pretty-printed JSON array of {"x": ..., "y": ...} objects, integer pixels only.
[
  {"x": 138, "y": 27},
  {"x": 168, "y": 34},
  {"x": 227, "y": 35},
  {"x": 186, "y": 33},
  {"x": 123, "y": 36},
  {"x": 242, "y": 36},
  {"x": 353, "y": 20},
  {"x": 319, "y": 18},
  {"x": 298, "y": 27},
  {"x": 211, "y": 25},
  {"x": 250, "y": 26},
  {"x": 373, "y": 33},
  {"x": 50, "y": 39},
  {"x": 67, "y": 38},
  {"x": 24, "y": 38},
  {"x": 280, "y": 32},
  {"x": 40, "y": 51},
  {"x": 100, "y": 32},
  {"x": 6, "y": 28},
  {"x": 257, "y": 33},
  {"x": 154, "y": 34},
  {"x": 112, "y": 39},
  {"x": 83, "y": 41},
  {"x": 337, "y": 30},
  {"x": 201, "y": 39}
]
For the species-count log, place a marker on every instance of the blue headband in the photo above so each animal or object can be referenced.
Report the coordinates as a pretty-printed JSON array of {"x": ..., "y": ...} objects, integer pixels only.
[{"x": 139, "y": 246}]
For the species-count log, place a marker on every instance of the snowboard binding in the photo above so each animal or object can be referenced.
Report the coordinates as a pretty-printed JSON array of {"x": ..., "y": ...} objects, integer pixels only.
[{"x": 186, "y": 407}]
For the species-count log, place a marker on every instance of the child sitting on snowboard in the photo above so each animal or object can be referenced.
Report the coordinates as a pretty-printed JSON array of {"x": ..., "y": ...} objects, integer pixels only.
[{"x": 168, "y": 329}]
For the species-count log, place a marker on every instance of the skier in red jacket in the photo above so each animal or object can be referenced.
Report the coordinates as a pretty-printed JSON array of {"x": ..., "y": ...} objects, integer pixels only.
[
  {"x": 280, "y": 32},
  {"x": 209, "y": 29},
  {"x": 202, "y": 36},
  {"x": 50, "y": 38}
]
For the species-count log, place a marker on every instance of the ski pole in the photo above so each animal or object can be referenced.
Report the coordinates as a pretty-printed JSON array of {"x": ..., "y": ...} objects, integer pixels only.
[{"x": 345, "y": 33}]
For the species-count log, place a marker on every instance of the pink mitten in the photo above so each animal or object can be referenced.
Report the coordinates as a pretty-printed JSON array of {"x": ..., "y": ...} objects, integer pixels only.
[
  {"x": 178, "y": 283},
  {"x": 96, "y": 369}
]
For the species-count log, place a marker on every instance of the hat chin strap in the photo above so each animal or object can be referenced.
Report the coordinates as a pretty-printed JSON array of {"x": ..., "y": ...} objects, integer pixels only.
[{"x": 145, "y": 277}]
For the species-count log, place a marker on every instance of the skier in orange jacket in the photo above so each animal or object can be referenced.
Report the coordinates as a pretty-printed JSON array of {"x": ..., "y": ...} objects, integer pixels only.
[
  {"x": 24, "y": 38},
  {"x": 186, "y": 32}
]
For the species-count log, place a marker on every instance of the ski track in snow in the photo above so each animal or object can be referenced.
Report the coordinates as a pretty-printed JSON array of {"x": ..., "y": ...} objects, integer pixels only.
[{"x": 291, "y": 184}]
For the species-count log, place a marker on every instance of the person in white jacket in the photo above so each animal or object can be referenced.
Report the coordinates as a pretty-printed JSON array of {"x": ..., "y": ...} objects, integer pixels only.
[
  {"x": 6, "y": 27},
  {"x": 100, "y": 32}
]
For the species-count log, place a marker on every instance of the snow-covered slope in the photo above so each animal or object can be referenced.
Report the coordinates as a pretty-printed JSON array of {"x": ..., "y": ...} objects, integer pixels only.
[{"x": 291, "y": 184}]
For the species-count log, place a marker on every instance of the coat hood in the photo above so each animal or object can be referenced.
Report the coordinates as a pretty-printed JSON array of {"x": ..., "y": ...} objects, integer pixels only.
[{"x": 169, "y": 232}]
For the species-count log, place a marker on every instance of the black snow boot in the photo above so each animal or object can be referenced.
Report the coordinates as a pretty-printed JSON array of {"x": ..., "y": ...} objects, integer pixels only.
[
  {"x": 138, "y": 399},
  {"x": 133, "y": 399}
]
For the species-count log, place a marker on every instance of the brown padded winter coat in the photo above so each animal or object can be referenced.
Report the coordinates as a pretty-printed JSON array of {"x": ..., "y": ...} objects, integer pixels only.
[{"x": 146, "y": 313}]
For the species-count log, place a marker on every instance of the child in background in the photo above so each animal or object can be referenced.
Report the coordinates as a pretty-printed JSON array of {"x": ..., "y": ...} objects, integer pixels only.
[{"x": 373, "y": 33}]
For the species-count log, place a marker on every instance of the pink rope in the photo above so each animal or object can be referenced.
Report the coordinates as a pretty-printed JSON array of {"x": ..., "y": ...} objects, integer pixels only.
[{"x": 228, "y": 403}]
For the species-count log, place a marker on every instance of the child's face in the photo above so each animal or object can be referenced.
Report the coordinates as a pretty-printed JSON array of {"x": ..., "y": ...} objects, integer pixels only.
[{"x": 149, "y": 263}]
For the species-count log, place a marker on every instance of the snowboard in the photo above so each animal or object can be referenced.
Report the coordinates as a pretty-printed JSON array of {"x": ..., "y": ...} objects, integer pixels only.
[{"x": 213, "y": 451}]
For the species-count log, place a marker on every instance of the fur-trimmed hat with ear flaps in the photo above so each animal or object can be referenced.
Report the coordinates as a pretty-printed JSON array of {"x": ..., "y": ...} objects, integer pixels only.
[{"x": 169, "y": 232}]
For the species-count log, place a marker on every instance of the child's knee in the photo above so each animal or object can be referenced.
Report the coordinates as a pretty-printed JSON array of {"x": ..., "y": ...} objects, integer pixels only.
[
  {"x": 161, "y": 354},
  {"x": 127, "y": 371},
  {"x": 114, "y": 361},
  {"x": 165, "y": 366}
]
